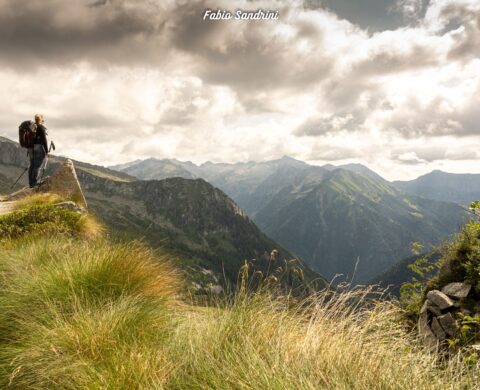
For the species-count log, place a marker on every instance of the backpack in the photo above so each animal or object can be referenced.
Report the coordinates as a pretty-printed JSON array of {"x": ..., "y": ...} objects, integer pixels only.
[{"x": 26, "y": 134}]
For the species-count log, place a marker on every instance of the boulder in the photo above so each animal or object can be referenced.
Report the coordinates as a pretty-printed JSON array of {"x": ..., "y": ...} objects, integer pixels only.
[
  {"x": 448, "y": 323},
  {"x": 432, "y": 308},
  {"x": 440, "y": 299},
  {"x": 438, "y": 330},
  {"x": 425, "y": 332},
  {"x": 64, "y": 182},
  {"x": 457, "y": 290}
]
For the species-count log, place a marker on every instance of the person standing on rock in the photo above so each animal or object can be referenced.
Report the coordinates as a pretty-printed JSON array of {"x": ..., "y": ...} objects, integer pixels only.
[{"x": 39, "y": 152}]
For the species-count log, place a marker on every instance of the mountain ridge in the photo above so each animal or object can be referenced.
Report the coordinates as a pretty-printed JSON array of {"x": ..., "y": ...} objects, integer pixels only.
[
  {"x": 312, "y": 211},
  {"x": 190, "y": 217}
]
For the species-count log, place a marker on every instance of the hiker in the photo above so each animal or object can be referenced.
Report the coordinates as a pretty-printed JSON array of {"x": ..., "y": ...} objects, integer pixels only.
[{"x": 38, "y": 152}]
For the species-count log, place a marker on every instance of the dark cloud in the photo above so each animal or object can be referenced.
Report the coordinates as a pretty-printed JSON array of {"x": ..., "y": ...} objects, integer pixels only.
[
  {"x": 372, "y": 15},
  {"x": 415, "y": 119},
  {"x": 467, "y": 40},
  {"x": 250, "y": 56},
  {"x": 53, "y": 32}
]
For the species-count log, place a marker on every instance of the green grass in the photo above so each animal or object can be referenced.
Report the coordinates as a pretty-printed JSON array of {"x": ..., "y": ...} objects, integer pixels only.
[
  {"x": 91, "y": 314},
  {"x": 37, "y": 216},
  {"x": 460, "y": 261}
]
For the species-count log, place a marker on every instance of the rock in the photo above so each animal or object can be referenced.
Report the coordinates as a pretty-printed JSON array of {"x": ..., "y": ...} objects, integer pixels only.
[
  {"x": 72, "y": 206},
  {"x": 425, "y": 332},
  {"x": 432, "y": 308},
  {"x": 438, "y": 330},
  {"x": 215, "y": 289},
  {"x": 457, "y": 290},
  {"x": 448, "y": 323},
  {"x": 440, "y": 299},
  {"x": 64, "y": 182},
  {"x": 424, "y": 307}
]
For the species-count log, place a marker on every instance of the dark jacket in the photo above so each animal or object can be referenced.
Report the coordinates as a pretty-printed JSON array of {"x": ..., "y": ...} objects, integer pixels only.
[{"x": 41, "y": 137}]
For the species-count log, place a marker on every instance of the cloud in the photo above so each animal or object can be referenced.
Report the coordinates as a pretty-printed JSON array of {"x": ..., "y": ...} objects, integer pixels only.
[{"x": 124, "y": 79}]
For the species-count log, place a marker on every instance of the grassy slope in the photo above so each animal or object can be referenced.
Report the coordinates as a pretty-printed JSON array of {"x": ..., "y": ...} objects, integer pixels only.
[
  {"x": 349, "y": 217},
  {"x": 81, "y": 312}
]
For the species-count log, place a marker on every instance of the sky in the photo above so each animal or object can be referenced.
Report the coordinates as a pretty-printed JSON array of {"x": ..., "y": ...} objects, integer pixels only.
[{"x": 393, "y": 84}]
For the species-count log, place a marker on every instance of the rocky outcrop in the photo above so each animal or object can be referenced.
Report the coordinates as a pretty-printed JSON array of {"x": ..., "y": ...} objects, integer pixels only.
[
  {"x": 63, "y": 182},
  {"x": 438, "y": 318}
]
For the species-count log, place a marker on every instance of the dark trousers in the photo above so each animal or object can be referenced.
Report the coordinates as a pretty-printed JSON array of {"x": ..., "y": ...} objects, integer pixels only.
[{"x": 37, "y": 155}]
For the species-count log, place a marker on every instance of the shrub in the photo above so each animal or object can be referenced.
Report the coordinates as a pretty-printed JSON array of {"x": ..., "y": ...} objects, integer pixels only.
[{"x": 40, "y": 217}]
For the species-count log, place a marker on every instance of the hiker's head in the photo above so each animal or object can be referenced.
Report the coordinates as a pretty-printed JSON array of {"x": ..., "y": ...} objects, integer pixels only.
[{"x": 39, "y": 119}]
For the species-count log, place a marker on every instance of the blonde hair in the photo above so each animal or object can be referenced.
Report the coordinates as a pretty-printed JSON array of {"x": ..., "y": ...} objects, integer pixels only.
[{"x": 39, "y": 119}]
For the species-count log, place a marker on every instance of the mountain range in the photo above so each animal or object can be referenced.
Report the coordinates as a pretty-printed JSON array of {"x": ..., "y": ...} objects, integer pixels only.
[
  {"x": 344, "y": 220},
  {"x": 208, "y": 234},
  {"x": 461, "y": 188}
]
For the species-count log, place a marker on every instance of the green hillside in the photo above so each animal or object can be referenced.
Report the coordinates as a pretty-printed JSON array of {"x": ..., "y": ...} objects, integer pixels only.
[
  {"x": 82, "y": 312},
  {"x": 348, "y": 217},
  {"x": 400, "y": 273},
  {"x": 329, "y": 216}
]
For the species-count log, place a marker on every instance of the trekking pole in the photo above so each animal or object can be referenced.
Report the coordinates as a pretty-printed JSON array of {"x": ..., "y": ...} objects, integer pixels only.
[{"x": 19, "y": 177}]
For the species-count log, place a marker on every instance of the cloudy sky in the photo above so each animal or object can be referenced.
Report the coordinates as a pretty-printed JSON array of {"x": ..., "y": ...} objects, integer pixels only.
[{"x": 394, "y": 84}]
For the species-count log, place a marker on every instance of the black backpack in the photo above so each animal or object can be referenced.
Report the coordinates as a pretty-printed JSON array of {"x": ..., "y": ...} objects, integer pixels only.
[{"x": 26, "y": 134}]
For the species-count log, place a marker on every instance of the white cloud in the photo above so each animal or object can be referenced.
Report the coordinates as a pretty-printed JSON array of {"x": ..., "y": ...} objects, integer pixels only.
[{"x": 310, "y": 85}]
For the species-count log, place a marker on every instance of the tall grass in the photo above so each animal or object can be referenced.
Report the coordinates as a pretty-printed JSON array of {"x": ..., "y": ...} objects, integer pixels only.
[
  {"x": 90, "y": 314},
  {"x": 262, "y": 343},
  {"x": 85, "y": 315},
  {"x": 95, "y": 315}
]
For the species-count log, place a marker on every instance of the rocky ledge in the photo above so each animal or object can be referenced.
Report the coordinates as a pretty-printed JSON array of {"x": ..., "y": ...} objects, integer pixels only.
[
  {"x": 439, "y": 315},
  {"x": 63, "y": 182}
]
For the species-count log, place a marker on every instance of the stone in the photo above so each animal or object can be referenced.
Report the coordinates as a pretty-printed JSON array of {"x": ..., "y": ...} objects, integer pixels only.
[
  {"x": 425, "y": 332},
  {"x": 440, "y": 299},
  {"x": 457, "y": 290},
  {"x": 64, "y": 182},
  {"x": 448, "y": 323},
  {"x": 424, "y": 307},
  {"x": 215, "y": 289},
  {"x": 72, "y": 206},
  {"x": 432, "y": 308},
  {"x": 438, "y": 330}
]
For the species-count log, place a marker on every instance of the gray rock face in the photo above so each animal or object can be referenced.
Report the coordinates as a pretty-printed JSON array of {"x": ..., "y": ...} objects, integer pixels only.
[
  {"x": 424, "y": 330},
  {"x": 457, "y": 290},
  {"x": 438, "y": 330},
  {"x": 432, "y": 308},
  {"x": 64, "y": 182},
  {"x": 440, "y": 299},
  {"x": 448, "y": 323}
]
